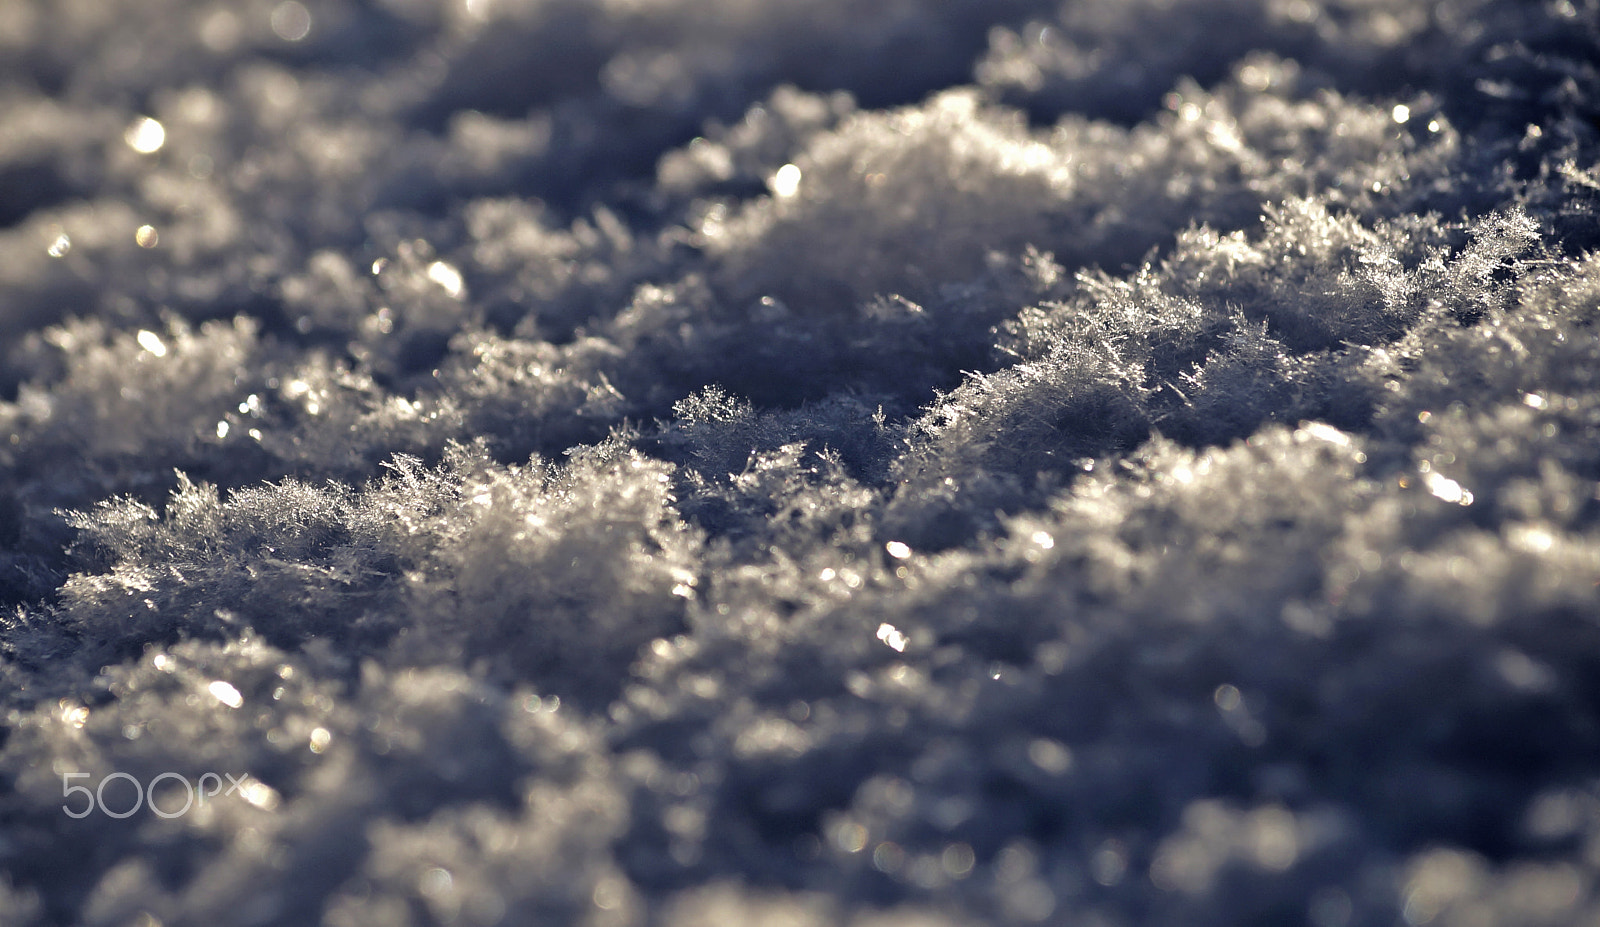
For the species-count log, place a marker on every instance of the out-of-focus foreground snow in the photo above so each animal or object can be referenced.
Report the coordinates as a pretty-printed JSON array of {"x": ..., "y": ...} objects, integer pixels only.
[{"x": 803, "y": 462}]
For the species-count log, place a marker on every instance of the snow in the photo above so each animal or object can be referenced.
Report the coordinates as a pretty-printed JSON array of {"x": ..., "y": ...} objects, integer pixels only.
[{"x": 799, "y": 462}]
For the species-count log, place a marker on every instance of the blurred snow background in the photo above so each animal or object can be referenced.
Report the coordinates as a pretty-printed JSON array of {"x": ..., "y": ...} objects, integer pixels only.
[{"x": 791, "y": 462}]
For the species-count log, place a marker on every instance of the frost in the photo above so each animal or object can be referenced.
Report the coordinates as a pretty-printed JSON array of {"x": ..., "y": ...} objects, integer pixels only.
[
  {"x": 800, "y": 462},
  {"x": 556, "y": 574},
  {"x": 1116, "y": 59}
]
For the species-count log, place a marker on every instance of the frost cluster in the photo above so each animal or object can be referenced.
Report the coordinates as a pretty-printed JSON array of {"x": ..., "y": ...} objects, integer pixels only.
[{"x": 800, "y": 462}]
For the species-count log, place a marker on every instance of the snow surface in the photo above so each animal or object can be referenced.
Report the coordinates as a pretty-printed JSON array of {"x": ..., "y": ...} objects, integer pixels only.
[{"x": 801, "y": 462}]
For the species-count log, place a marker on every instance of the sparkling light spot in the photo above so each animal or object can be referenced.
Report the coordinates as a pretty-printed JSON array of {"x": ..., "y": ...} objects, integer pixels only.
[
  {"x": 786, "y": 182},
  {"x": 850, "y": 837},
  {"x": 151, "y": 342},
  {"x": 446, "y": 276},
  {"x": 320, "y": 738},
  {"x": 1255, "y": 78},
  {"x": 145, "y": 136},
  {"x": 1043, "y": 539},
  {"x": 898, "y": 549},
  {"x": 892, "y": 637},
  {"x": 147, "y": 236},
  {"x": 1445, "y": 488},
  {"x": 59, "y": 246},
  {"x": 260, "y": 794},
  {"x": 291, "y": 21},
  {"x": 1326, "y": 433},
  {"x": 1401, "y": 113},
  {"x": 226, "y": 694},
  {"x": 73, "y": 715},
  {"x": 1535, "y": 539}
]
